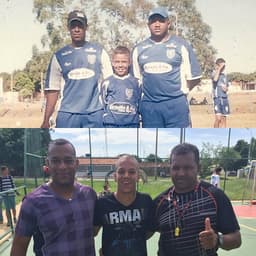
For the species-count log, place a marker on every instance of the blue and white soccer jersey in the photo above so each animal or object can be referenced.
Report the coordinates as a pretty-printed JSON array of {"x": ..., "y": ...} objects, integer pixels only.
[
  {"x": 220, "y": 98},
  {"x": 76, "y": 72},
  {"x": 121, "y": 97},
  {"x": 164, "y": 69}
]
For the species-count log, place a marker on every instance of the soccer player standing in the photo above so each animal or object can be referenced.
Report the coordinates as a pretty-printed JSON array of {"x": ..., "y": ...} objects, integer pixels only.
[
  {"x": 168, "y": 68},
  {"x": 73, "y": 74}
]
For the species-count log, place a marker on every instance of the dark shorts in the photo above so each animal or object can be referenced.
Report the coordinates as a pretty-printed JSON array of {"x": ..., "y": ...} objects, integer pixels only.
[
  {"x": 9, "y": 202},
  {"x": 70, "y": 120},
  {"x": 173, "y": 113},
  {"x": 221, "y": 106}
]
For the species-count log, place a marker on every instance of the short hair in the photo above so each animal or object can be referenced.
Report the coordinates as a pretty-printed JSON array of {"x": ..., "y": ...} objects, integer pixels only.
[
  {"x": 218, "y": 169},
  {"x": 220, "y": 60},
  {"x": 121, "y": 50},
  {"x": 126, "y": 156},
  {"x": 60, "y": 142},
  {"x": 3, "y": 168},
  {"x": 185, "y": 148}
]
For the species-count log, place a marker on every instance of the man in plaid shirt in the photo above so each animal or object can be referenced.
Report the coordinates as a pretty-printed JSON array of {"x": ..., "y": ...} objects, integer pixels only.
[{"x": 59, "y": 214}]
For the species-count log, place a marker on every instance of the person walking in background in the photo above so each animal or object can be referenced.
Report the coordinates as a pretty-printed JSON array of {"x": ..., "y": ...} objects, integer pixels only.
[
  {"x": 220, "y": 98},
  {"x": 7, "y": 183},
  {"x": 215, "y": 177},
  {"x": 193, "y": 217},
  {"x": 121, "y": 93},
  {"x": 168, "y": 69},
  {"x": 74, "y": 75},
  {"x": 126, "y": 215},
  {"x": 59, "y": 213}
]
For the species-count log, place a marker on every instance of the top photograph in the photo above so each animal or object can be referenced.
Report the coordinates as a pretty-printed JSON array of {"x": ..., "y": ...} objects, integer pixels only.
[{"x": 127, "y": 64}]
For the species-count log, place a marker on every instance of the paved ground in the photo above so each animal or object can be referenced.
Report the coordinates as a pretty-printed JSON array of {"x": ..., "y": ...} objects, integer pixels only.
[{"x": 246, "y": 217}]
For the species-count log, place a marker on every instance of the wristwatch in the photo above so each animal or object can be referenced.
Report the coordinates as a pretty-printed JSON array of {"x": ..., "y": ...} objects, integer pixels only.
[{"x": 220, "y": 239}]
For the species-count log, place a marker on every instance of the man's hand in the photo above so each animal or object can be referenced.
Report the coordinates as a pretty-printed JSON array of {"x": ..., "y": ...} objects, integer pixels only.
[
  {"x": 208, "y": 238},
  {"x": 220, "y": 67},
  {"x": 45, "y": 124}
]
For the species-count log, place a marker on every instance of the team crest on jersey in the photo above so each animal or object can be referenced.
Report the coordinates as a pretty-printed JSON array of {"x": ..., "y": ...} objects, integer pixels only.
[
  {"x": 170, "y": 53},
  {"x": 128, "y": 93},
  {"x": 91, "y": 59}
]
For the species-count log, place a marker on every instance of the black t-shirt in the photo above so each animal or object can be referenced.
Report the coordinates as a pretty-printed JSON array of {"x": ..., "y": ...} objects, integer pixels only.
[
  {"x": 181, "y": 217},
  {"x": 124, "y": 227}
]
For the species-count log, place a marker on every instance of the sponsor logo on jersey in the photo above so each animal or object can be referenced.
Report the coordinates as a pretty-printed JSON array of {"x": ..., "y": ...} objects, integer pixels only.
[
  {"x": 146, "y": 46},
  {"x": 80, "y": 73},
  {"x": 91, "y": 58},
  {"x": 170, "y": 53},
  {"x": 122, "y": 108},
  {"x": 157, "y": 68},
  {"x": 144, "y": 57},
  {"x": 171, "y": 45},
  {"x": 128, "y": 93},
  {"x": 66, "y": 64},
  {"x": 91, "y": 50},
  {"x": 123, "y": 216},
  {"x": 66, "y": 53}
]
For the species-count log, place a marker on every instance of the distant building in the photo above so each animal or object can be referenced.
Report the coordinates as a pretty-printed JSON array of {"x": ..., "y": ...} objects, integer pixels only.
[
  {"x": 100, "y": 166},
  {"x": 249, "y": 86}
]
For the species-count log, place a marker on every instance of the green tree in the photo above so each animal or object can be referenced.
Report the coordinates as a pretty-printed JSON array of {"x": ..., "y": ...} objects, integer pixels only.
[
  {"x": 242, "y": 147},
  {"x": 192, "y": 27},
  {"x": 151, "y": 158},
  {"x": 209, "y": 157},
  {"x": 24, "y": 85},
  {"x": 113, "y": 22},
  {"x": 36, "y": 68},
  {"x": 12, "y": 149},
  {"x": 228, "y": 158}
]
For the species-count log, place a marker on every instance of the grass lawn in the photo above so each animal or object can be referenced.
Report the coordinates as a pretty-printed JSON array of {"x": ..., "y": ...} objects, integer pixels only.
[{"x": 236, "y": 189}]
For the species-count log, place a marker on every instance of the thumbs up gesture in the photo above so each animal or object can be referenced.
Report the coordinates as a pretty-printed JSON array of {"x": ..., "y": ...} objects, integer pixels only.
[{"x": 208, "y": 238}]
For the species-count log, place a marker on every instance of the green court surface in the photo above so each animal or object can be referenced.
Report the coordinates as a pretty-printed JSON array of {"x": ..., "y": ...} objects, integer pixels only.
[{"x": 248, "y": 231}]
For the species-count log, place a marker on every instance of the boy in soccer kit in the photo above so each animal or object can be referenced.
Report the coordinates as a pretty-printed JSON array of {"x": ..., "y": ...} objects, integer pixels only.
[
  {"x": 121, "y": 93},
  {"x": 220, "y": 87}
]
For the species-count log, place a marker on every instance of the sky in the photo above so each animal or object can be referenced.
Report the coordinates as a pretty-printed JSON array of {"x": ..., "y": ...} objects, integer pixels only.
[
  {"x": 112, "y": 142},
  {"x": 233, "y": 25}
]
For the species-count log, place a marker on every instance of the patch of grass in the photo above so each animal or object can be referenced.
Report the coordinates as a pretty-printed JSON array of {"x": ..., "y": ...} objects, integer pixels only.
[{"x": 236, "y": 189}]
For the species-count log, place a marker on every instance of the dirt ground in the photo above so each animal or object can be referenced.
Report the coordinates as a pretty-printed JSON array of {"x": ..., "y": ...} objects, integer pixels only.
[{"x": 242, "y": 105}]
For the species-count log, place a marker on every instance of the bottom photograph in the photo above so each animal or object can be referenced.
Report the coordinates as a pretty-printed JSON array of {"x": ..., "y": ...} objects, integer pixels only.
[{"x": 134, "y": 192}]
